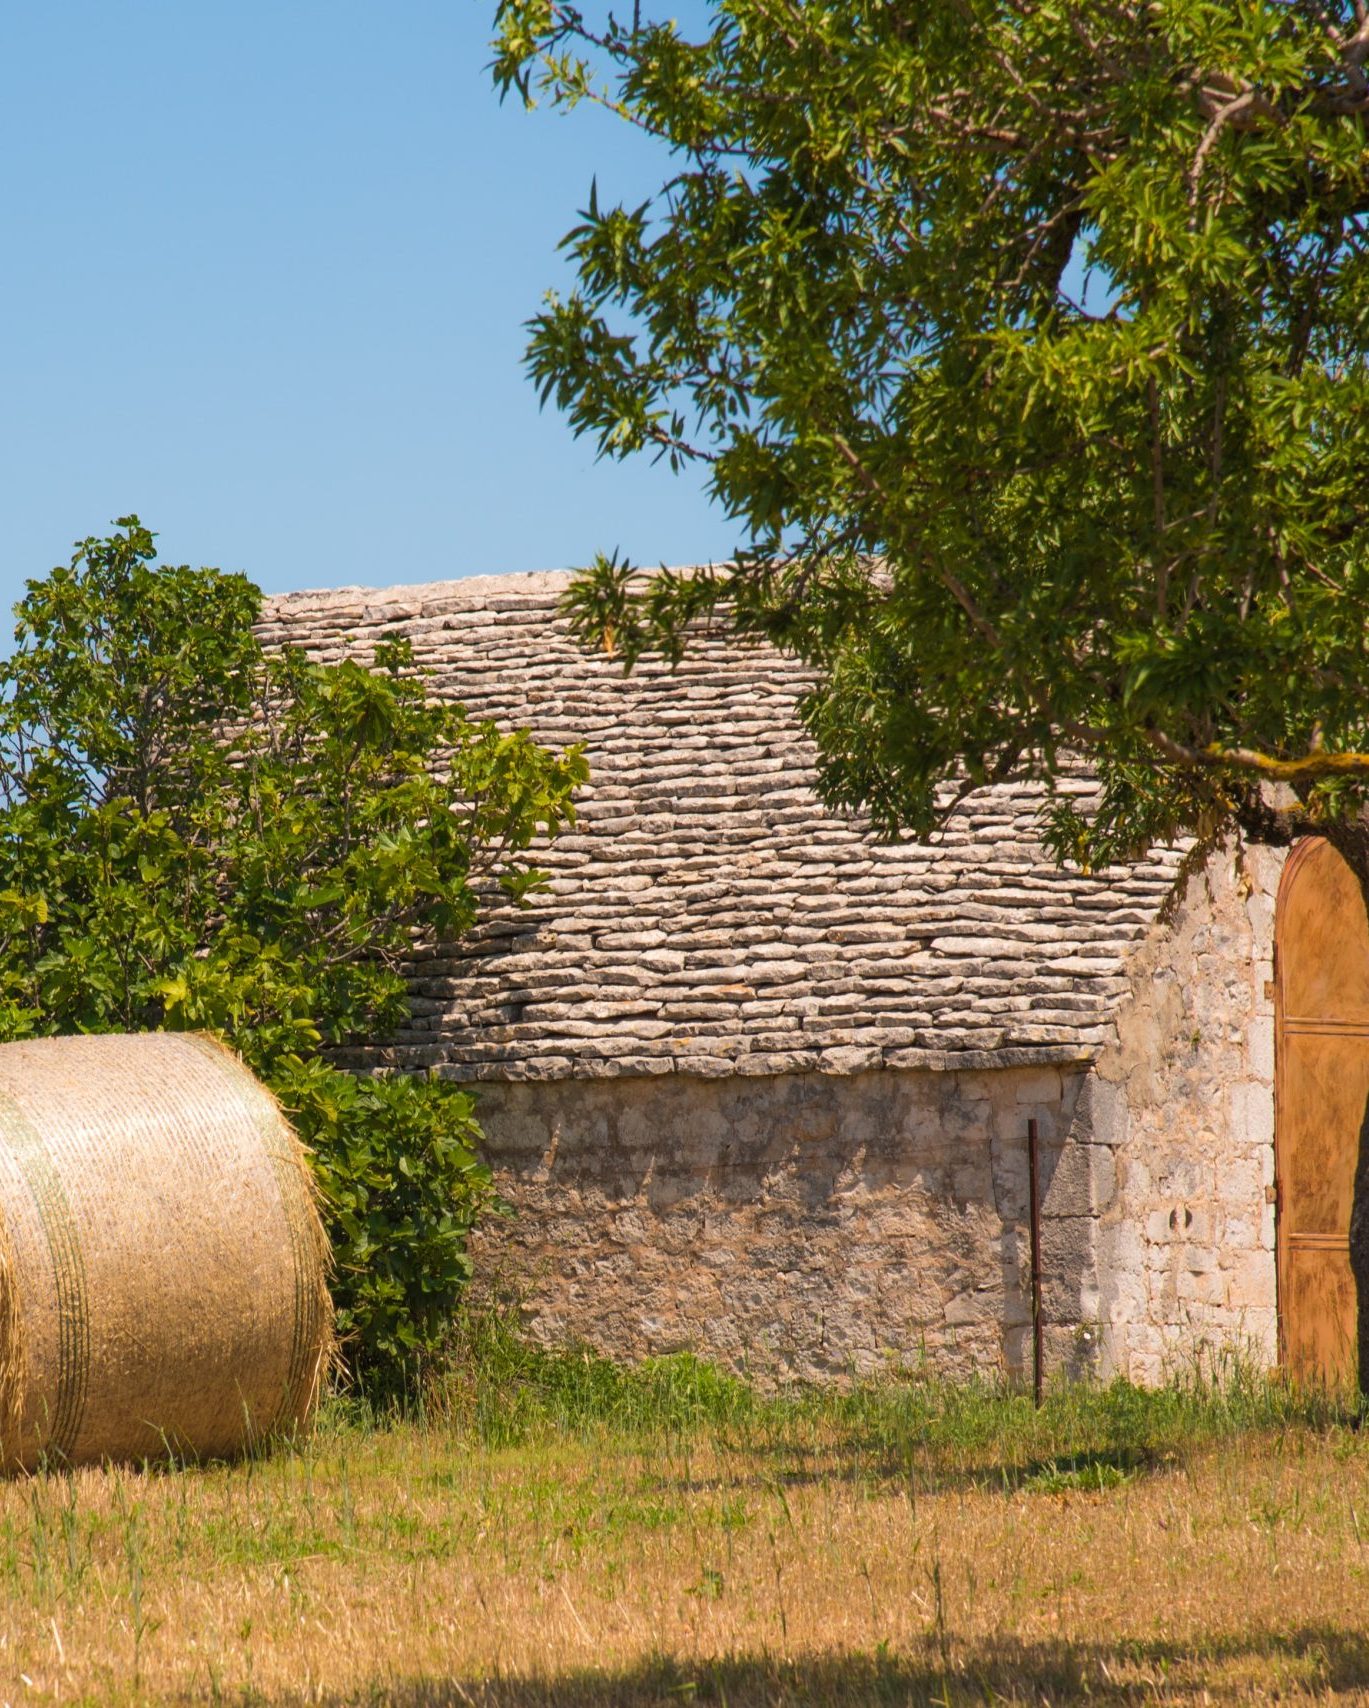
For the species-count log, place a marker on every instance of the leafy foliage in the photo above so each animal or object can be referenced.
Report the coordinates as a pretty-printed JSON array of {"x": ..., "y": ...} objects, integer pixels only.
[
  {"x": 404, "y": 1186},
  {"x": 195, "y": 833},
  {"x": 1026, "y": 345}
]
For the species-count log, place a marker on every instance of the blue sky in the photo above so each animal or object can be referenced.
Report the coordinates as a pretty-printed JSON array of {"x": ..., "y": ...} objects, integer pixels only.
[{"x": 266, "y": 269}]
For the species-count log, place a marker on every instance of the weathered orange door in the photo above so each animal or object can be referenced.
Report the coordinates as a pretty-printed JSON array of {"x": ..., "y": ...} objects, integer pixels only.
[{"x": 1321, "y": 1092}]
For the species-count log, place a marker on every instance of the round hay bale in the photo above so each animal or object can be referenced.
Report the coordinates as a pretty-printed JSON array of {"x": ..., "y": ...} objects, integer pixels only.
[{"x": 162, "y": 1263}]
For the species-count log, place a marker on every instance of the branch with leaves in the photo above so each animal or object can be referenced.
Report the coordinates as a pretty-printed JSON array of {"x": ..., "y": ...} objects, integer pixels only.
[{"x": 1027, "y": 348}]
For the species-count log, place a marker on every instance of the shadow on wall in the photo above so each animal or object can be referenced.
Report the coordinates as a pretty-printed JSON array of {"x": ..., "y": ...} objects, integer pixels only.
[{"x": 801, "y": 1225}]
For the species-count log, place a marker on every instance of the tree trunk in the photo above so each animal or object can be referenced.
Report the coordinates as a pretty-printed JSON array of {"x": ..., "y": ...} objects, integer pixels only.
[
  {"x": 1359, "y": 1254},
  {"x": 1352, "y": 843},
  {"x": 1282, "y": 826}
]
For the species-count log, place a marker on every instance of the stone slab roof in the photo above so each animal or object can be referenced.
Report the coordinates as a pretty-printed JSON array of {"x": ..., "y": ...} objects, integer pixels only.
[{"x": 707, "y": 915}]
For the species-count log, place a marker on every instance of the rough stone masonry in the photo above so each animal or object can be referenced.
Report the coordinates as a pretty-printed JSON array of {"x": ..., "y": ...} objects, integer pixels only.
[{"x": 758, "y": 1085}]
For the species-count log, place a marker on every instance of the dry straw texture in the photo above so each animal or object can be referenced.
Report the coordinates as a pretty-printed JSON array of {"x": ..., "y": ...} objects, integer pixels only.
[
  {"x": 416, "y": 1569},
  {"x": 162, "y": 1263}
]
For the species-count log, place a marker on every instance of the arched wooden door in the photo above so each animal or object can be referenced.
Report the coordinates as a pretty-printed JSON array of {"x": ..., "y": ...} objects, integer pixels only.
[{"x": 1321, "y": 1092}]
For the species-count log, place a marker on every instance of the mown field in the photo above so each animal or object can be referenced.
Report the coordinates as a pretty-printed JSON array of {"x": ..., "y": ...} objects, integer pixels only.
[{"x": 555, "y": 1532}]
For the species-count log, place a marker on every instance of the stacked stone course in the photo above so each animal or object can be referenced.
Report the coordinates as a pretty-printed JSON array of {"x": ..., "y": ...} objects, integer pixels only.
[{"x": 759, "y": 1083}]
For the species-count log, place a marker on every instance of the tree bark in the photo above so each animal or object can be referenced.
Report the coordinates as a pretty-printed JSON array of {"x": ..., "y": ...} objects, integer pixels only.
[
  {"x": 1282, "y": 827},
  {"x": 1355, "y": 850},
  {"x": 1359, "y": 1255}
]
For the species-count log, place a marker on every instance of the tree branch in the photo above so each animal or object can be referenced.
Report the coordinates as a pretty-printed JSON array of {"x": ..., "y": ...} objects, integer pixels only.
[{"x": 1310, "y": 768}]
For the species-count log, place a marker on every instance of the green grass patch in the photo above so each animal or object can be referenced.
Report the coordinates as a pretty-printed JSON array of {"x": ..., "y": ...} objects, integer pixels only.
[{"x": 507, "y": 1393}]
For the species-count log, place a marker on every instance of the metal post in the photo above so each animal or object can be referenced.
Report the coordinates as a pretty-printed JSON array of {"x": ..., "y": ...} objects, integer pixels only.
[{"x": 1034, "y": 1191}]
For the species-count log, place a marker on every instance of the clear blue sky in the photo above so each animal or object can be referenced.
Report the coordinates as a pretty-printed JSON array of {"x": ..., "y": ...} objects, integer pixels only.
[{"x": 266, "y": 268}]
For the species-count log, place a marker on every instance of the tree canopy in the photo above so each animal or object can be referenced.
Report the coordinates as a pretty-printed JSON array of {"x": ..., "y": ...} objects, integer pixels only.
[
  {"x": 198, "y": 833},
  {"x": 1025, "y": 342}
]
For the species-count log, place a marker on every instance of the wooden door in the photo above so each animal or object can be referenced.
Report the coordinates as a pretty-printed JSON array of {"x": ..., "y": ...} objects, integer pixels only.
[{"x": 1321, "y": 1093}]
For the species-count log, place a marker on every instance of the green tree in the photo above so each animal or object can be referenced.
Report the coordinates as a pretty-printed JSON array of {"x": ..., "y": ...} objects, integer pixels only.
[
  {"x": 1002, "y": 515},
  {"x": 1025, "y": 341},
  {"x": 197, "y": 833}
]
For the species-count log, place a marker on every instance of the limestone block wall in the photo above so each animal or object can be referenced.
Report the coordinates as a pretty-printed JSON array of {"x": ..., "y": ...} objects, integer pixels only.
[
  {"x": 1181, "y": 1129},
  {"x": 820, "y": 1224},
  {"x": 803, "y": 1224}
]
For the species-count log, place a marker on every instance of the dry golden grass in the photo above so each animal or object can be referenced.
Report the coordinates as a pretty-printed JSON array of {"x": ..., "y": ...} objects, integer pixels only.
[{"x": 412, "y": 1566}]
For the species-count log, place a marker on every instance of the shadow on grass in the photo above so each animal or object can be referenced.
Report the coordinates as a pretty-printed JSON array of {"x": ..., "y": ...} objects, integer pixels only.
[
  {"x": 1095, "y": 1471},
  {"x": 1092, "y": 1471},
  {"x": 1311, "y": 1661}
]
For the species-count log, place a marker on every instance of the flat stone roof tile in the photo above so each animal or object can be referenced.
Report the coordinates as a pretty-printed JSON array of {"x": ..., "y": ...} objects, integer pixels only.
[{"x": 707, "y": 914}]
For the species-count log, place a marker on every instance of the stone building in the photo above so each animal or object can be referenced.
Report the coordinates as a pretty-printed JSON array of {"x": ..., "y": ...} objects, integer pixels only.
[{"x": 760, "y": 1086}]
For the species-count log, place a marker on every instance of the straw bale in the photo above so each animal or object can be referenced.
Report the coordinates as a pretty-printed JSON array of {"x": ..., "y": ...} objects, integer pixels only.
[{"x": 162, "y": 1263}]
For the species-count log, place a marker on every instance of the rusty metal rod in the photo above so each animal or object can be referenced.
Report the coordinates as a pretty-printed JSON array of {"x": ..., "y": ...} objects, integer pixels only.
[{"x": 1034, "y": 1196}]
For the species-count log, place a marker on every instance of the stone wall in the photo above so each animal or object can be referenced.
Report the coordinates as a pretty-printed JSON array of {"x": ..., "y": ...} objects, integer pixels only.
[
  {"x": 819, "y": 1224},
  {"x": 804, "y": 1224},
  {"x": 1180, "y": 1133},
  {"x": 759, "y": 1083}
]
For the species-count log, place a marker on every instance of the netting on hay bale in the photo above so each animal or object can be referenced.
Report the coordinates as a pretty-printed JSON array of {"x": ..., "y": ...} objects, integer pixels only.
[{"x": 162, "y": 1262}]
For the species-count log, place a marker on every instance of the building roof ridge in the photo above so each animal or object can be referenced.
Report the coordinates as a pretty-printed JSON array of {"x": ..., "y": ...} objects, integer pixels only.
[{"x": 456, "y": 589}]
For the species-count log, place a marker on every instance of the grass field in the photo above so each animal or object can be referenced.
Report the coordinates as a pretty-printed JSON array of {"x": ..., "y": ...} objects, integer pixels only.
[{"x": 555, "y": 1531}]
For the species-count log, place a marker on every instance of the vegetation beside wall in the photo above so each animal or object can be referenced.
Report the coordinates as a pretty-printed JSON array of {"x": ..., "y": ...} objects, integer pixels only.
[{"x": 197, "y": 834}]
